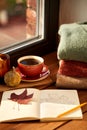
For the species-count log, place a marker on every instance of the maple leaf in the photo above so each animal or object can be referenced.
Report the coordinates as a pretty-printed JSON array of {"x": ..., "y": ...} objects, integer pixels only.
[{"x": 22, "y": 98}]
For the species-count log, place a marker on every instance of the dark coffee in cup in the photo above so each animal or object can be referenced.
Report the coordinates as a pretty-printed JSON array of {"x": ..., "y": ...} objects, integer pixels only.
[{"x": 30, "y": 62}]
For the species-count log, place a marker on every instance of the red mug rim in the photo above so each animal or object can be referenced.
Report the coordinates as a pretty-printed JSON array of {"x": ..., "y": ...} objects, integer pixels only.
[{"x": 40, "y": 59}]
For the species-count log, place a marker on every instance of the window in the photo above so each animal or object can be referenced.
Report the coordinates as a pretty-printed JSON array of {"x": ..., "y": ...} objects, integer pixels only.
[
  {"x": 20, "y": 20},
  {"x": 39, "y": 45}
]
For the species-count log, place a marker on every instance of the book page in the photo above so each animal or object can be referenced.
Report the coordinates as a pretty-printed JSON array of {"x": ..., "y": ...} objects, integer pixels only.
[
  {"x": 55, "y": 102},
  {"x": 20, "y": 103},
  {"x": 51, "y": 111},
  {"x": 59, "y": 96}
]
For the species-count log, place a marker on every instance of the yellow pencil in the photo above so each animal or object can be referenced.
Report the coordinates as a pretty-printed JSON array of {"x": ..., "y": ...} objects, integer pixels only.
[{"x": 71, "y": 110}]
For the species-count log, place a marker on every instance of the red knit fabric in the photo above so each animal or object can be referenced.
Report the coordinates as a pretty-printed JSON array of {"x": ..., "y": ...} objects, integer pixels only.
[{"x": 72, "y": 68}]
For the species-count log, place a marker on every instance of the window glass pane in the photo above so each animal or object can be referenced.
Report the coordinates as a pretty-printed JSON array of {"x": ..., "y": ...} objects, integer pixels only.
[{"x": 20, "y": 21}]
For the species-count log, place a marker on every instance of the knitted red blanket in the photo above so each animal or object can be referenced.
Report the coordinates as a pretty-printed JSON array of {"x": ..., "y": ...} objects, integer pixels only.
[{"x": 72, "y": 68}]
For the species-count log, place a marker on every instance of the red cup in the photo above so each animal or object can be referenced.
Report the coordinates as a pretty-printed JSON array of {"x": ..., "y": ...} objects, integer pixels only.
[
  {"x": 4, "y": 64},
  {"x": 31, "y": 65}
]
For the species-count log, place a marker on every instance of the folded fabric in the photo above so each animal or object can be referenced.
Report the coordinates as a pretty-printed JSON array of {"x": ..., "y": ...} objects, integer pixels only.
[
  {"x": 72, "y": 68},
  {"x": 73, "y": 42},
  {"x": 71, "y": 82}
]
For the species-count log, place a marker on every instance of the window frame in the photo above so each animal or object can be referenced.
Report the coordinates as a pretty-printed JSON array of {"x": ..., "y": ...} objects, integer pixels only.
[{"x": 49, "y": 43}]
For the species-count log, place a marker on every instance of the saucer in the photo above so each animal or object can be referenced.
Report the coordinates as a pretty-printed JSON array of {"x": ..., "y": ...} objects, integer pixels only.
[{"x": 44, "y": 74}]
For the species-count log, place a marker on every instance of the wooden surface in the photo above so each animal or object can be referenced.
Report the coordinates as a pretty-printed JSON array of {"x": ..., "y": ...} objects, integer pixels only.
[{"x": 51, "y": 61}]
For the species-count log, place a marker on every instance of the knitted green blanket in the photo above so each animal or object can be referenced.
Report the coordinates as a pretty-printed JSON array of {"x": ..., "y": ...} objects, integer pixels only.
[{"x": 73, "y": 42}]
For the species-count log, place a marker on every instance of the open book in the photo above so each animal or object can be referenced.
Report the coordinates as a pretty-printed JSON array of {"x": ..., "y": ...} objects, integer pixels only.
[{"x": 33, "y": 104}]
